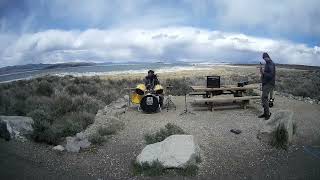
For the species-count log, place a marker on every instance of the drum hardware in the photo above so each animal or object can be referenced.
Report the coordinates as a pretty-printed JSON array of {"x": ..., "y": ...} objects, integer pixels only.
[{"x": 169, "y": 103}]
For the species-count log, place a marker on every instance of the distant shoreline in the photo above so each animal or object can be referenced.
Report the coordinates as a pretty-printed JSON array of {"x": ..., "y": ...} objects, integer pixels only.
[{"x": 138, "y": 70}]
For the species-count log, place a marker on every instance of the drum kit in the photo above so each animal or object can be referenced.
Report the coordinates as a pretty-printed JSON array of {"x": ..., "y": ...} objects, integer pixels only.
[{"x": 151, "y": 100}]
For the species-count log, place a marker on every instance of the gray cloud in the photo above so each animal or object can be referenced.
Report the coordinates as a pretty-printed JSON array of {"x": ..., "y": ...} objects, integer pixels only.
[
  {"x": 104, "y": 30},
  {"x": 172, "y": 43}
]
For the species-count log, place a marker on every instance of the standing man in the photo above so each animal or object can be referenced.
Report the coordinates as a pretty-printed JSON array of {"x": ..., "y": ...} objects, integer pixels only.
[{"x": 268, "y": 78}]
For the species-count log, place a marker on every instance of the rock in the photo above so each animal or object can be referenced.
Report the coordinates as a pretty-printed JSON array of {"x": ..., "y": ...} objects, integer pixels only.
[
  {"x": 119, "y": 104},
  {"x": 175, "y": 151},
  {"x": 58, "y": 148},
  {"x": 17, "y": 126},
  {"x": 74, "y": 144},
  {"x": 282, "y": 118}
]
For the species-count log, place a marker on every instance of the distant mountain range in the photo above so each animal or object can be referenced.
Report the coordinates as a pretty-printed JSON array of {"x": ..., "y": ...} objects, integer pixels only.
[
  {"x": 35, "y": 67},
  {"x": 32, "y": 67}
]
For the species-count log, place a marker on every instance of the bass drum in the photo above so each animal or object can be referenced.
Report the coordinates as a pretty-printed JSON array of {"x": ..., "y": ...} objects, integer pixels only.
[{"x": 149, "y": 103}]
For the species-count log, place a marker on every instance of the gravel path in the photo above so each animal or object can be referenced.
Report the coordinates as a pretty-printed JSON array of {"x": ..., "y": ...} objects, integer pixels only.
[{"x": 224, "y": 154}]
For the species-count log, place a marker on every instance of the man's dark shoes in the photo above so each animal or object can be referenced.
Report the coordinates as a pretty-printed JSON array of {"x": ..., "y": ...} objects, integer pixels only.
[
  {"x": 262, "y": 116},
  {"x": 266, "y": 117}
]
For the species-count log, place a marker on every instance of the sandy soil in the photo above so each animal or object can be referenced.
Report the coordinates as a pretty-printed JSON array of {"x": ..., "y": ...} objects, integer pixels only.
[{"x": 224, "y": 154}]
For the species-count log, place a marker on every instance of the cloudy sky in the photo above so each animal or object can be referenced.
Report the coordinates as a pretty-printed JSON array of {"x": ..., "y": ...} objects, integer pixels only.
[{"x": 51, "y": 31}]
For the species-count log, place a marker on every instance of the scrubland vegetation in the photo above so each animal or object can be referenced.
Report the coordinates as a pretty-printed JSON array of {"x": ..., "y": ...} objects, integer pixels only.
[
  {"x": 63, "y": 106},
  {"x": 59, "y": 106}
]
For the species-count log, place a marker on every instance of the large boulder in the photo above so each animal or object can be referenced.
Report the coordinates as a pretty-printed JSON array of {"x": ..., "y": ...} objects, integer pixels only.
[
  {"x": 279, "y": 129},
  {"x": 106, "y": 117},
  {"x": 176, "y": 151},
  {"x": 15, "y": 127}
]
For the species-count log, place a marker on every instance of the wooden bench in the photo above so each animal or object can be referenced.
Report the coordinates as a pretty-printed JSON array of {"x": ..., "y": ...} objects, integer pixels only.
[
  {"x": 197, "y": 94},
  {"x": 211, "y": 101}
]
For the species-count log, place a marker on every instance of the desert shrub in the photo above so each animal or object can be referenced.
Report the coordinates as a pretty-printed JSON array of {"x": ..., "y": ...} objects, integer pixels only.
[
  {"x": 39, "y": 102},
  {"x": 10, "y": 105},
  {"x": 71, "y": 127},
  {"x": 157, "y": 169},
  {"x": 86, "y": 103},
  {"x": 43, "y": 131},
  {"x": 19, "y": 107},
  {"x": 294, "y": 128},
  {"x": 4, "y": 103},
  {"x": 146, "y": 169},
  {"x": 300, "y": 83},
  {"x": 78, "y": 120},
  {"x": 280, "y": 137},
  {"x": 73, "y": 89},
  {"x": 180, "y": 86},
  {"x": 111, "y": 129},
  {"x": 90, "y": 88},
  {"x": 170, "y": 129},
  {"x": 60, "y": 106},
  {"x": 96, "y": 138},
  {"x": 108, "y": 95},
  {"x": 44, "y": 88},
  {"x": 62, "y": 103}
]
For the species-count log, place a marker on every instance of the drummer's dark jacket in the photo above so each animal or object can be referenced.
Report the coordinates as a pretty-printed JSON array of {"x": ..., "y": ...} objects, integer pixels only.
[
  {"x": 269, "y": 74},
  {"x": 151, "y": 82}
]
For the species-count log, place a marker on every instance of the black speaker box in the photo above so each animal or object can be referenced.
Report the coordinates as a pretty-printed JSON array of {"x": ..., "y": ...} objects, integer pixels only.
[{"x": 213, "y": 81}]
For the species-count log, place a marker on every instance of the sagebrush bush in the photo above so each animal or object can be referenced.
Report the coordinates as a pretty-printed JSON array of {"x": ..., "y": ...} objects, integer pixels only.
[
  {"x": 60, "y": 106},
  {"x": 180, "y": 86},
  {"x": 157, "y": 169},
  {"x": 280, "y": 137},
  {"x": 39, "y": 102},
  {"x": 96, "y": 138},
  {"x": 112, "y": 128},
  {"x": 146, "y": 169},
  {"x": 43, "y": 131},
  {"x": 44, "y": 88},
  {"x": 73, "y": 89},
  {"x": 163, "y": 133},
  {"x": 85, "y": 103}
]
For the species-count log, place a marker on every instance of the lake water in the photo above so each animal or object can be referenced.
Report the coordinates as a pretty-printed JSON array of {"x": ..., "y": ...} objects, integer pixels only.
[{"x": 105, "y": 70}]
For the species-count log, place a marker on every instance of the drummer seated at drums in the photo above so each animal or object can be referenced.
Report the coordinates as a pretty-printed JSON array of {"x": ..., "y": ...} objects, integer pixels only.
[{"x": 151, "y": 80}]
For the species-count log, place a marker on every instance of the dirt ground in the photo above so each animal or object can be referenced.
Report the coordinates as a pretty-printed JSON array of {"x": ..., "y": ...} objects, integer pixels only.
[{"x": 224, "y": 155}]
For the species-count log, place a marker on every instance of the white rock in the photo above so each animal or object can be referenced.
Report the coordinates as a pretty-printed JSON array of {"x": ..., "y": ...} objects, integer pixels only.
[
  {"x": 175, "y": 151},
  {"x": 74, "y": 144},
  {"x": 58, "y": 148},
  {"x": 17, "y": 126}
]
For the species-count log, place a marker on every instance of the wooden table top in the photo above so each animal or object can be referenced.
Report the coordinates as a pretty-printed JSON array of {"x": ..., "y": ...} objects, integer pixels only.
[{"x": 223, "y": 88}]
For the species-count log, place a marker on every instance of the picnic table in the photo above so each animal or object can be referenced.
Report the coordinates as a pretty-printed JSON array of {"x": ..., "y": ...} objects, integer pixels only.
[{"x": 210, "y": 96}]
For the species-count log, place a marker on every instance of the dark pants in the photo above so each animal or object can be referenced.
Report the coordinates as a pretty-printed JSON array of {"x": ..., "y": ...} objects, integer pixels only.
[{"x": 266, "y": 89}]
